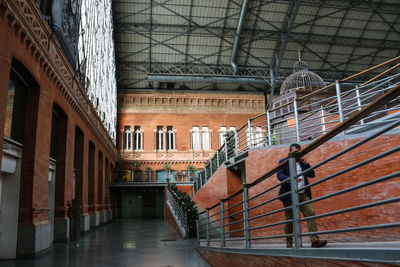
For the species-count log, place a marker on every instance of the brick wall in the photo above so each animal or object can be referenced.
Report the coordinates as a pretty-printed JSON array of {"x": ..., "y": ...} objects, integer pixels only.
[
  {"x": 35, "y": 161},
  {"x": 182, "y": 110},
  {"x": 261, "y": 161},
  {"x": 221, "y": 259}
]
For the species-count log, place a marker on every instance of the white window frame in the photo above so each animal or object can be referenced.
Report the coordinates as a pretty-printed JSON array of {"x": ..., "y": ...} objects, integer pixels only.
[
  {"x": 196, "y": 140},
  {"x": 222, "y": 137},
  {"x": 138, "y": 136},
  {"x": 205, "y": 138},
  {"x": 160, "y": 136},
  {"x": 171, "y": 139},
  {"x": 127, "y": 139},
  {"x": 259, "y": 139}
]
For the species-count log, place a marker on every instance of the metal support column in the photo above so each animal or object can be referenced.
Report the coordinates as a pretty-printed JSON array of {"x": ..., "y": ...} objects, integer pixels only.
[
  {"x": 249, "y": 132},
  {"x": 207, "y": 234},
  {"x": 217, "y": 159},
  {"x": 295, "y": 202},
  {"x": 221, "y": 206},
  {"x": 339, "y": 101},
  {"x": 236, "y": 144},
  {"x": 359, "y": 103},
  {"x": 323, "y": 120},
  {"x": 246, "y": 216},
  {"x": 269, "y": 128},
  {"x": 296, "y": 119},
  {"x": 198, "y": 231},
  {"x": 226, "y": 149}
]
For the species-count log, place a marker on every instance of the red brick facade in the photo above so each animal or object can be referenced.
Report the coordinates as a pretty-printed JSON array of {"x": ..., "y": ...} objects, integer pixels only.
[
  {"x": 182, "y": 110},
  {"x": 28, "y": 40}
]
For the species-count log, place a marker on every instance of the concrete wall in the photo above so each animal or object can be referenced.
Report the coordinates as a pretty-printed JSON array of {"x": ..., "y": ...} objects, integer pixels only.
[{"x": 9, "y": 202}]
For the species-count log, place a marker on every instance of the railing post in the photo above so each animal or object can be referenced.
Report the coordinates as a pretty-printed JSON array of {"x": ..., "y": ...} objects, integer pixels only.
[
  {"x": 201, "y": 179},
  {"x": 359, "y": 103},
  {"x": 217, "y": 159},
  {"x": 236, "y": 144},
  {"x": 198, "y": 230},
  {"x": 226, "y": 149},
  {"x": 207, "y": 235},
  {"x": 269, "y": 128},
  {"x": 221, "y": 206},
  {"x": 295, "y": 202},
  {"x": 246, "y": 216},
  {"x": 323, "y": 120},
  {"x": 249, "y": 131},
  {"x": 296, "y": 119},
  {"x": 339, "y": 101}
]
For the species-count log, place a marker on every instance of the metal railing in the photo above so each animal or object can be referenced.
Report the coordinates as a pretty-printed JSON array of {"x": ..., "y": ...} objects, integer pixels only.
[
  {"x": 178, "y": 213},
  {"x": 251, "y": 216},
  {"x": 150, "y": 177},
  {"x": 308, "y": 117}
]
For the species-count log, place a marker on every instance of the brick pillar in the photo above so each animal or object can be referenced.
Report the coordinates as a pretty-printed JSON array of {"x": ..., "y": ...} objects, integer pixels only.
[
  {"x": 34, "y": 236},
  {"x": 107, "y": 191},
  {"x": 92, "y": 186},
  {"x": 81, "y": 185},
  {"x": 64, "y": 178},
  {"x": 5, "y": 63},
  {"x": 100, "y": 186}
]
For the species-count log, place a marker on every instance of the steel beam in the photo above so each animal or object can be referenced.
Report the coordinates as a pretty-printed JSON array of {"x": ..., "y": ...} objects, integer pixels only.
[
  {"x": 237, "y": 36},
  {"x": 203, "y": 79},
  {"x": 281, "y": 44}
]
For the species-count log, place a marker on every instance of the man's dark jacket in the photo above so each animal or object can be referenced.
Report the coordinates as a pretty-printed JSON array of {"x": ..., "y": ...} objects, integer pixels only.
[{"x": 284, "y": 173}]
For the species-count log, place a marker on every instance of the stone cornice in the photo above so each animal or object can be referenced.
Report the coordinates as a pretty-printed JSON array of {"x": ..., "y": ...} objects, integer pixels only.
[
  {"x": 190, "y": 103},
  {"x": 29, "y": 25}
]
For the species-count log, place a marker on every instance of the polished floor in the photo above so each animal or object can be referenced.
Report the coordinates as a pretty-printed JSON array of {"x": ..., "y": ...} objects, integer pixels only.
[{"x": 125, "y": 242}]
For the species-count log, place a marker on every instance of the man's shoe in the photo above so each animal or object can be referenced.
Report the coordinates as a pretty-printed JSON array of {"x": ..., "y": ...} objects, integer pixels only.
[{"x": 319, "y": 243}]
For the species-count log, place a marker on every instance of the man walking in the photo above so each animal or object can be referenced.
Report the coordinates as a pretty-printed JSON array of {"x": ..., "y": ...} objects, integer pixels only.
[{"x": 304, "y": 195}]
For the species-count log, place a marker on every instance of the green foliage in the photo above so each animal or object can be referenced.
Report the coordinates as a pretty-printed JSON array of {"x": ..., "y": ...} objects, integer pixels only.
[
  {"x": 136, "y": 166},
  {"x": 167, "y": 166},
  {"x": 188, "y": 206}
]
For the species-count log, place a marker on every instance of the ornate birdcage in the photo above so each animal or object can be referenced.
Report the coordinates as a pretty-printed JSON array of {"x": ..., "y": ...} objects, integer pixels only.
[{"x": 300, "y": 83}]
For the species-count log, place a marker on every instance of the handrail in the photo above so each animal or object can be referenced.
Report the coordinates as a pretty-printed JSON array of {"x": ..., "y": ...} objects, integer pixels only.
[
  {"x": 245, "y": 138},
  {"x": 382, "y": 100},
  {"x": 343, "y": 80},
  {"x": 355, "y": 75}
]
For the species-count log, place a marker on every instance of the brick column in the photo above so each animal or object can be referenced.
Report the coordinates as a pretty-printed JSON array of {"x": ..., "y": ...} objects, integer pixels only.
[
  {"x": 92, "y": 186},
  {"x": 81, "y": 186},
  {"x": 5, "y": 63},
  {"x": 34, "y": 236},
  {"x": 100, "y": 186},
  {"x": 64, "y": 178}
]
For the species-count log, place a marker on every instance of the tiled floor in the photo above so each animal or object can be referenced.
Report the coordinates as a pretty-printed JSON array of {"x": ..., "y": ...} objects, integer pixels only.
[{"x": 125, "y": 242}]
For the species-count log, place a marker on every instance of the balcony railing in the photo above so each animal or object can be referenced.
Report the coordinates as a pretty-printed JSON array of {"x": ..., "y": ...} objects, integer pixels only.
[
  {"x": 150, "y": 177},
  {"x": 247, "y": 218},
  {"x": 310, "y": 116}
]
